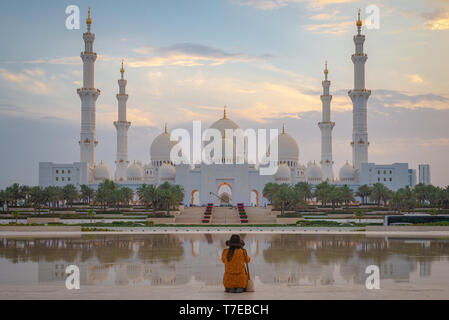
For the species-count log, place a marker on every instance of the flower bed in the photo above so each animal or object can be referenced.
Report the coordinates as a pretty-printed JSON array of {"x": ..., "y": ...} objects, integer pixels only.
[
  {"x": 244, "y": 220},
  {"x": 205, "y": 221}
]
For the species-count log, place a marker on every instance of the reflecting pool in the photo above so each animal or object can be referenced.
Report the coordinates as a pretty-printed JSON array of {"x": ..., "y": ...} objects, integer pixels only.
[{"x": 179, "y": 259}]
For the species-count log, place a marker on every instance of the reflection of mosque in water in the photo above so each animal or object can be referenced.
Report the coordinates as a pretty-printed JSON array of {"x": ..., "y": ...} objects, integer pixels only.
[{"x": 169, "y": 260}]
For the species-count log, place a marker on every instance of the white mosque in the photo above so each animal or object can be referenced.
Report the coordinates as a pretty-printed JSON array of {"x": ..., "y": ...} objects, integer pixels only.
[{"x": 240, "y": 183}]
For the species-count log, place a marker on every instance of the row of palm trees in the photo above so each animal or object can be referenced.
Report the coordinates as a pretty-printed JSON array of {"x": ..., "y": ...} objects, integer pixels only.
[
  {"x": 164, "y": 196},
  {"x": 109, "y": 194},
  {"x": 37, "y": 196},
  {"x": 292, "y": 197},
  {"x": 285, "y": 197}
]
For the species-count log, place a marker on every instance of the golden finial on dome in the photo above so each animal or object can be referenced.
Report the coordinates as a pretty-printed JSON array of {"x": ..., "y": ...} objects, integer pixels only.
[
  {"x": 166, "y": 131},
  {"x": 359, "y": 21},
  {"x": 122, "y": 70},
  {"x": 224, "y": 113},
  {"x": 325, "y": 69},
  {"x": 283, "y": 128},
  {"x": 88, "y": 20}
]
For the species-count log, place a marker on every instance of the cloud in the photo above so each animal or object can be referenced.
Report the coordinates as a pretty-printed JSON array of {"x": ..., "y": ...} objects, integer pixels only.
[
  {"x": 276, "y": 4},
  {"x": 25, "y": 81},
  {"x": 187, "y": 55},
  {"x": 63, "y": 61},
  {"x": 401, "y": 99},
  {"x": 336, "y": 28},
  {"x": 437, "y": 19},
  {"x": 415, "y": 78},
  {"x": 330, "y": 23}
]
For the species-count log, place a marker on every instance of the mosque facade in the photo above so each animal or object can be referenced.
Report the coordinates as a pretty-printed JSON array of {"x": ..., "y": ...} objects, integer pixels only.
[{"x": 212, "y": 183}]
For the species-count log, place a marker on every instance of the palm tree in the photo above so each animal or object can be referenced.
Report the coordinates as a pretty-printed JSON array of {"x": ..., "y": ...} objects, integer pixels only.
[
  {"x": 364, "y": 192},
  {"x": 296, "y": 198},
  {"x": 25, "y": 193},
  {"x": 86, "y": 193},
  {"x": 16, "y": 215},
  {"x": 270, "y": 190},
  {"x": 358, "y": 214},
  {"x": 166, "y": 196},
  {"x": 148, "y": 195},
  {"x": 3, "y": 199},
  {"x": 409, "y": 199},
  {"x": 90, "y": 214},
  {"x": 396, "y": 202},
  {"x": 37, "y": 197},
  {"x": 346, "y": 194},
  {"x": 281, "y": 197},
  {"x": 105, "y": 194},
  {"x": 127, "y": 195},
  {"x": 53, "y": 195},
  {"x": 322, "y": 193},
  {"x": 70, "y": 193},
  {"x": 14, "y": 192},
  {"x": 306, "y": 189},
  {"x": 380, "y": 193}
]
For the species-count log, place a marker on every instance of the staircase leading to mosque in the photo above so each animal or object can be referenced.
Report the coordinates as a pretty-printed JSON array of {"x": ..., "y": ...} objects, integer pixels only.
[
  {"x": 225, "y": 215},
  {"x": 258, "y": 215},
  {"x": 192, "y": 215}
]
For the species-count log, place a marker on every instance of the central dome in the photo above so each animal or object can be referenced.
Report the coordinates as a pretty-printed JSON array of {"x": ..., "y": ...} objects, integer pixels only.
[{"x": 223, "y": 124}]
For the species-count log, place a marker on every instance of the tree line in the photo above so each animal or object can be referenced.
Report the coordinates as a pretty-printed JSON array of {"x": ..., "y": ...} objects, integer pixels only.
[
  {"x": 108, "y": 195},
  {"x": 286, "y": 197}
]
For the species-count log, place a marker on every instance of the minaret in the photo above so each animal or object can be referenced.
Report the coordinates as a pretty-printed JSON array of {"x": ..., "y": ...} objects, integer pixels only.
[
  {"x": 359, "y": 96},
  {"x": 88, "y": 95},
  {"x": 326, "y": 127},
  {"x": 122, "y": 127}
]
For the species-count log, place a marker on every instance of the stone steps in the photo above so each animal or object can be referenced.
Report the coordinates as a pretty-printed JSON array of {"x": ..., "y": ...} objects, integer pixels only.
[{"x": 223, "y": 215}]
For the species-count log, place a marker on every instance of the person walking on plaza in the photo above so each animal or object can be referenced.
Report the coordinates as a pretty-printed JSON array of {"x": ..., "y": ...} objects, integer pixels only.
[{"x": 235, "y": 258}]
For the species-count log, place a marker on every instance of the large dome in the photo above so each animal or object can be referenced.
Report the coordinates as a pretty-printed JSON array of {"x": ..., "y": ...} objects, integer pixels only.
[
  {"x": 223, "y": 124},
  {"x": 288, "y": 150},
  {"x": 314, "y": 173},
  {"x": 347, "y": 173},
  {"x": 167, "y": 172},
  {"x": 282, "y": 174},
  {"x": 135, "y": 172},
  {"x": 101, "y": 172},
  {"x": 161, "y": 148}
]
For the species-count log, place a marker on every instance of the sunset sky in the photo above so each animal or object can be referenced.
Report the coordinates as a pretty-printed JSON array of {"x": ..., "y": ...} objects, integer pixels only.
[{"x": 185, "y": 60}]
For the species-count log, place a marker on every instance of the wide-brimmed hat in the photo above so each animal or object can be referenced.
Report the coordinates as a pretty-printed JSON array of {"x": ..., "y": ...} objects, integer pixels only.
[{"x": 235, "y": 241}]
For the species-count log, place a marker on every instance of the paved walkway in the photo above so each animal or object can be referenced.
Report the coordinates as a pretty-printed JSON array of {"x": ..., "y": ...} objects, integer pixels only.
[{"x": 198, "y": 291}]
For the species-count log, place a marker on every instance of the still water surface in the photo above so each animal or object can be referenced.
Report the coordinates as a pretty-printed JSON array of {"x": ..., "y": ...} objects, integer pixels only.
[{"x": 179, "y": 259}]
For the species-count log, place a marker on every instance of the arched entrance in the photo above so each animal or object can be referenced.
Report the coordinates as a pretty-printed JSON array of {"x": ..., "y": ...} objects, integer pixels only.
[
  {"x": 195, "y": 201},
  {"x": 225, "y": 193},
  {"x": 254, "y": 198}
]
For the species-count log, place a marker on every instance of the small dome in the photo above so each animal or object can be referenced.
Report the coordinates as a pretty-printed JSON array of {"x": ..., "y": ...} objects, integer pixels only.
[
  {"x": 161, "y": 148},
  {"x": 347, "y": 173},
  {"x": 282, "y": 174},
  {"x": 167, "y": 172},
  {"x": 314, "y": 173},
  {"x": 135, "y": 172},
  {"x": 101, "y": 172}
]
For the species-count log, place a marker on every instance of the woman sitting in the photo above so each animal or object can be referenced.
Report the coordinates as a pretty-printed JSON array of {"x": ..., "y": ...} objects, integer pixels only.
[{"x": 235, "y": 278}]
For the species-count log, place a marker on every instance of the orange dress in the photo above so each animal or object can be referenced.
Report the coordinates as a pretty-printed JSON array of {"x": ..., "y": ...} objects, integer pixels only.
[{"x": 235, "y": 275}]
